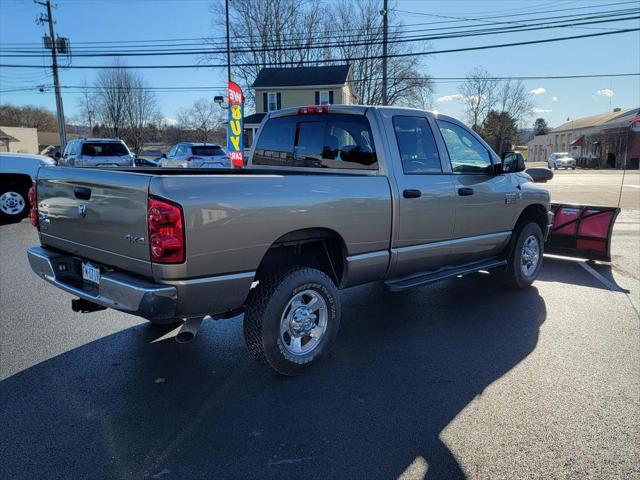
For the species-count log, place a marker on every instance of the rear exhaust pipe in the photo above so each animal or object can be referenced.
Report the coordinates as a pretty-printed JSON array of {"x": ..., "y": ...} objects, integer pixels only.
[{"x": 189, "y": 329}]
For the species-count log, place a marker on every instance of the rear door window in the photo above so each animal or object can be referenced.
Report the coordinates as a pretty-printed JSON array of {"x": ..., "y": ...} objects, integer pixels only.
[
  {"x": 104, "y": 149},
  {"x": 318, "y": 141},
  {"x": 417, "y": 146}
]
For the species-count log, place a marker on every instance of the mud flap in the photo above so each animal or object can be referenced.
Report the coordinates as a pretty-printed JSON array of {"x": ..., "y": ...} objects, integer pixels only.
[{"x": 582, "y": 231}]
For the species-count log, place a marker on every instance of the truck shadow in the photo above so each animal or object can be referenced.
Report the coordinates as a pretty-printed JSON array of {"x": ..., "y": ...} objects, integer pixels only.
[{"x": 405, "y": 365}]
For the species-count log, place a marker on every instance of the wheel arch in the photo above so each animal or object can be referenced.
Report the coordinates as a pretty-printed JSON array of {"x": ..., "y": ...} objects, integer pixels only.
[
  {"x": 535, "y": 212},
  {"x": 321, "y": 248},
  {"x": 22, "y": 179}
]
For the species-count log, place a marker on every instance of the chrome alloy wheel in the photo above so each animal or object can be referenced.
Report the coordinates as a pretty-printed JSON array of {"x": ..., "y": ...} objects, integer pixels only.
[
  {"x": 530, "y": 256},
  {"x": 303, "y": 322},
  {"x": 12, "y": 203}
]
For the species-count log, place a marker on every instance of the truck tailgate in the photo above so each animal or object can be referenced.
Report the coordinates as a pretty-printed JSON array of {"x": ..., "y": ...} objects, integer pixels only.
[{"x": 97, "y": 214}]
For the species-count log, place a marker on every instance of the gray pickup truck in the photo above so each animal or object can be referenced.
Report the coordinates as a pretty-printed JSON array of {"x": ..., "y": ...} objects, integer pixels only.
[{"x": 333, "y": 196}]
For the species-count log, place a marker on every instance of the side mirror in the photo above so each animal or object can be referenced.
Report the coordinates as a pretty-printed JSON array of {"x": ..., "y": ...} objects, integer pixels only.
[
  {"x": 56, "y": 155},
  {"x": 540, "y": 175},
  {"x": 513, "y": 162}
]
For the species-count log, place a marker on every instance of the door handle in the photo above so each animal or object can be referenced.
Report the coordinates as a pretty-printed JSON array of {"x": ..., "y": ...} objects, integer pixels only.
[
  {"x": 412, "y": 193},
  {"x": 82, "y": 193},
  {"x": 465, "y": 191}
]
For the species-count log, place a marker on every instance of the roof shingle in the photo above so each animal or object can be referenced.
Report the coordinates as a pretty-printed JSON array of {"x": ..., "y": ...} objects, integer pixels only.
[
  {"x": 609, "y": 118},
  {"x": 302, "y": 76}
]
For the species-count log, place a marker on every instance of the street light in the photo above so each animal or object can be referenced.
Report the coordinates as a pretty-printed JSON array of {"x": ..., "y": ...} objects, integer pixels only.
[{"x": 219, "y": 99}]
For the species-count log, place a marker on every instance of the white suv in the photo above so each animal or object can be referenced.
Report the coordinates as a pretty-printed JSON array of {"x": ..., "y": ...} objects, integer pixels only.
[
  {"x": 196, "y": 155},
  {"x": 96, "y": 152},
  {"x": 561, "y": 160}
]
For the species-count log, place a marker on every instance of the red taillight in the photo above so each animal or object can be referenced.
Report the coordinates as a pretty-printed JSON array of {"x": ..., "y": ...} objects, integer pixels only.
[
  {"x": 312, "y": 109},
  {"x": 166, "y": 233},
  {"x": 33, "y": 201}
]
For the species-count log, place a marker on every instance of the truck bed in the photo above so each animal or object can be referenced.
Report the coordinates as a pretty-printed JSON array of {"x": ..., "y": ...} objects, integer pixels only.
[{"x": 231, "y": 218}]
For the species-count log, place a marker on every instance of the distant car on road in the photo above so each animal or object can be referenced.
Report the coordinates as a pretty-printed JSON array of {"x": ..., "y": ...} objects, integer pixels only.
[
  {"x": 561, "y": 160},
  {"x": 96, "y": 152},
  {"x": 196, "y": 155},
  {"x": 17, "y": 174}
]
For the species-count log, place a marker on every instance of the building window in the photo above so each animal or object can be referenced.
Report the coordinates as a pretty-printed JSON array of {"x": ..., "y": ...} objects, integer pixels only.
[
  {"x": 272, "y": 103},
  {"x": 324, "y": 97}
]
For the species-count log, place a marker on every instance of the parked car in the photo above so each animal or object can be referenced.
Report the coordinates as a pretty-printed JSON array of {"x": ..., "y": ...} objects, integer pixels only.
[
  {"x": 148, "y": 158},
  {"x": 52, "y": 151},
  {"x": 561, "y": 160},
  {"x": 332, "y": 197},
  {"x": 17, "y": 174},
  {"x": 196, "y": 155},
  {"x": 96, "y": 152}
]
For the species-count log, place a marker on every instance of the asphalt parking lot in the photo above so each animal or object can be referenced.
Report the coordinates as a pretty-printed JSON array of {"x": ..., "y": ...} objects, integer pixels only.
[{"x": 459, "y": 379}]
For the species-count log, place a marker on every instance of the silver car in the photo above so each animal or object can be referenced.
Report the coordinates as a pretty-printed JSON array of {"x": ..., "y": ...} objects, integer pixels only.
[
  {"x": 196, "y": 155},
  {"x": 561, "y": 160},
  {"x": 96, "y": 152}
]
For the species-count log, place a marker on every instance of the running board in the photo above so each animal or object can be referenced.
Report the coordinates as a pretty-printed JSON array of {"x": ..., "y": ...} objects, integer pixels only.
[{"x": 432, "y": 277}]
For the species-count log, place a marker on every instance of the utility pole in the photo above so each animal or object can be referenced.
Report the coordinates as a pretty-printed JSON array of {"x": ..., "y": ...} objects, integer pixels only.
[
  {"x": 54, "y": 66},
  {"x": 385, "y": 27},
  {"x": 229, "y": 43}
]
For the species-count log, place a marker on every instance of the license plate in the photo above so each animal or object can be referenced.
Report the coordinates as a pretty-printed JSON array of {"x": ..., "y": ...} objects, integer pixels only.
[{"x": 90, "y": 273}]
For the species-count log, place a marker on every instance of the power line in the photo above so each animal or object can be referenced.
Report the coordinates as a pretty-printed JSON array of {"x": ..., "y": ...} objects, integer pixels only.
[
  {"x": 331, "y": 34},
  {"x": 199, "y": 41},
  {"x": 81, "y": 88},
  {"x": 361, "y": 40},
  {"x": 471, "y": 33},
  {"x": 339, "y": 60}
]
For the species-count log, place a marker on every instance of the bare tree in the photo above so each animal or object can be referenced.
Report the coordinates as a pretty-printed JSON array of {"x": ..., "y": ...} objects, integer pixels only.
[
  {"x": 203, "y": 117},
  {"x": 125, "y": 104},
  {"x": 113, "y": 87},
  {"x": 87, "y": 106},
  {"x": 141, "y": 110},
  {"x": 482, "y": 93},
  {"x": 269, "y": 33},
  {"x": 293, "y": 33},
  {"x": 514, "y": 99},
  {"x": 360, "y": 42},
  {"x": 479, "y": 92},
  {"x": 28, "y": 116}
]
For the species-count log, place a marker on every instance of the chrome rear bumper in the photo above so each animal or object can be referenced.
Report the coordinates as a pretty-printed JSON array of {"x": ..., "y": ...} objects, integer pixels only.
[{"x": 116, "y": 290}]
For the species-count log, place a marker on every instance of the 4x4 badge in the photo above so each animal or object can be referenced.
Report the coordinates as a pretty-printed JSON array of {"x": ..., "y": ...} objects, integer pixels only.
[{"x": 82, "y": 210}]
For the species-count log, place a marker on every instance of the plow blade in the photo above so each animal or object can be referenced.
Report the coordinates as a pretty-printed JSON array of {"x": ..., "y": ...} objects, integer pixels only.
[{"x": 582, "y": 231}]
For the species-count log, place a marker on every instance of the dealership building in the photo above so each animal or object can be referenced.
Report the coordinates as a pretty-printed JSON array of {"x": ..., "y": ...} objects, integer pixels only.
[{"x": 598, "y": 141}]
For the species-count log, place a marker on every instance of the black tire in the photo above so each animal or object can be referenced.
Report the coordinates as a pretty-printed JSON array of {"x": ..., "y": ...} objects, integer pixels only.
[
  {"x": 513, "y": 275},
  {"x": 13, "y": 194},
  {"x": 265, "y": 307}
]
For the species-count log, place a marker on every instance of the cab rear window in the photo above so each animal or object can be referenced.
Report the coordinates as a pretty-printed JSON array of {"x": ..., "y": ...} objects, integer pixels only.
[
  {"x": 317, "y": 141},
  {"x": 207, "y": 151},
  {"x": 104, "y": 149}
]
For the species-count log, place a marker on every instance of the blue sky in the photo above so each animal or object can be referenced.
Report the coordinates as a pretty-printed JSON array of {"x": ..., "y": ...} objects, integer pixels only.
[{"x": 111, "y": 20}]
